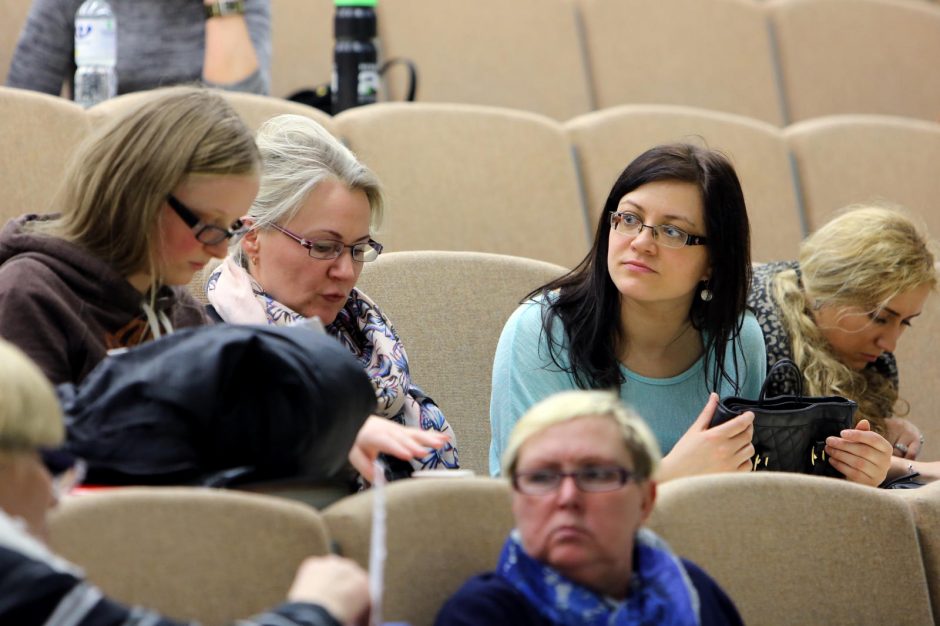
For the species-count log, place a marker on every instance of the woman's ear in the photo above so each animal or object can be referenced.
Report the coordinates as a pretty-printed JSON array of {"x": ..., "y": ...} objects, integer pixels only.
[{"x": 250, "y": 242}]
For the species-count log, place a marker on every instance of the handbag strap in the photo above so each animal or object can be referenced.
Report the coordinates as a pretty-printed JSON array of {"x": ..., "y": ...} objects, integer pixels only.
[{"x": 779, "y": 367}]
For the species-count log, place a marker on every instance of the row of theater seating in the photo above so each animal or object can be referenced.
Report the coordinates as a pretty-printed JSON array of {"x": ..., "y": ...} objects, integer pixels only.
[
  {"x": 463, "y": 177},
  {"x": 779, "y": 61},
  {"x": 789, "y": 549}
]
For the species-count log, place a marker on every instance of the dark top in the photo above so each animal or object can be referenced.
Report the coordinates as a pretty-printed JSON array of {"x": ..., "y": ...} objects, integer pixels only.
[
  {"x": 66, "y": 308},
  {"x": 489, "y": 600}
]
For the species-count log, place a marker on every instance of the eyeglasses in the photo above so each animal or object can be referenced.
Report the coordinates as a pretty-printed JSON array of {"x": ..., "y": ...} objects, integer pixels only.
[
  {"x": 205, "y": 233},
  {"x": 327, "y": 249},
  {"x": 670, "y": 236},
  {"x": 593, "y": 478}
]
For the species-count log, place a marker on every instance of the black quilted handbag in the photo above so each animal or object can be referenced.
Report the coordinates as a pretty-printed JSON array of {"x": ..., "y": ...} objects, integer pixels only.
[{"x": 790, "y": 431}]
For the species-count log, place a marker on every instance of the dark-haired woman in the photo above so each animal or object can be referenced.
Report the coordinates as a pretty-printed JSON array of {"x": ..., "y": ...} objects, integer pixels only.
[{"x": 656, "y": 310}]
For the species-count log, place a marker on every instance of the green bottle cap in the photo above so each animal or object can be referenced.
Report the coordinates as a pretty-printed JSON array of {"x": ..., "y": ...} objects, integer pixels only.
[{"x": 355, "y": 3}]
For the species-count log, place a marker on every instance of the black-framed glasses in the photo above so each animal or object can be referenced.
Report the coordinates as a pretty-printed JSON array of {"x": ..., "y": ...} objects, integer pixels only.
[
  {"x": 593, "y": 478},
  {"x": 328, "y": 249},
  {"x": 205, "y": 233},
  {"x": 627, "y": 223}
]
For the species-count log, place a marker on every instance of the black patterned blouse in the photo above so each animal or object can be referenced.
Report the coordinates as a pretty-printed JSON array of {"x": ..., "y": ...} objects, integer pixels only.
[{"x": 765, "y": 308}]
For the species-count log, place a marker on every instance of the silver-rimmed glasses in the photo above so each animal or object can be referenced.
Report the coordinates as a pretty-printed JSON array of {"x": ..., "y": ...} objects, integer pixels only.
[
  {"x": 328, "y": 249},
  {"x": 630, "y": 224}
]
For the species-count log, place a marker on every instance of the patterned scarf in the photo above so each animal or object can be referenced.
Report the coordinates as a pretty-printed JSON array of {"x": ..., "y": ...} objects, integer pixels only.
[
  {"x": 365, "y": 331},
  {"x": 661, "y": 592}
]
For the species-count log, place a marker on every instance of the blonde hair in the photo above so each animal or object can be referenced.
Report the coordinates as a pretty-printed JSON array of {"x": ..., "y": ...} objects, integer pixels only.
[
  {"x": 297, "y": 154},
  {"x": 30, "y": 415},
  {"x": 564, "y": 406},
  {"x": 119, "y": 178},
  {"x": 861, "y": 259}
]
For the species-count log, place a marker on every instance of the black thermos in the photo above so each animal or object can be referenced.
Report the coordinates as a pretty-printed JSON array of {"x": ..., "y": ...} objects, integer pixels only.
[{"x": 355, "y": 58}]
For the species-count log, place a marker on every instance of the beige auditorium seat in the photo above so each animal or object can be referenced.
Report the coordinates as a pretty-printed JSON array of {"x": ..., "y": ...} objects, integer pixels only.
[
  {"x": 38, "y": 134},
  {"x": 440, "y": 532},
  {"x": 848, "y": 159},
  {"x": 714, "y": 54},
  {"x": 189, "y": 553},
  {"x": 14, "y": 14},
  {"x": 252, "y": 108},
  {"x": 301, "y": 45},
  {"x": 796, "y": 550},
  {"x": 462, "y": 177},
  {"x": 925, "y": 505},
  {"x": 858, "y": 56},
  {"x": 449, "y": 309},
  {"x": 523, "y": 54},
  {"x": 918, "y": 372},
  {"x": 606, "y": 142}
]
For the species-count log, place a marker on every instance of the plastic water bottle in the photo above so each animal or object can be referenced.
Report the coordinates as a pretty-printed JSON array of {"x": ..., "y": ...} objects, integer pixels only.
[
  {"x": 95, "y": 53},
  {"x": 355, "y": 56}
]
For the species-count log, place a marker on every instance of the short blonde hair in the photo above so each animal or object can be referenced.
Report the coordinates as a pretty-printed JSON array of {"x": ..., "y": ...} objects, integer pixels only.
[
  {"x": 564, "y": 406},
  {"x": 30, "y": 415}
]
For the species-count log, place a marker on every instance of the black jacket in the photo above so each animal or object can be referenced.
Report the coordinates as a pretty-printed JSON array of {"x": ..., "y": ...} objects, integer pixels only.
[{"x": 285, "y": 402}]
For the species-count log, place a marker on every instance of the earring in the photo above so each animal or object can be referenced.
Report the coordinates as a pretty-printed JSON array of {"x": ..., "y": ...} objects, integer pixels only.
[
  {"x": 706, "y": 295},
  {"x": 254, "y": 260}
]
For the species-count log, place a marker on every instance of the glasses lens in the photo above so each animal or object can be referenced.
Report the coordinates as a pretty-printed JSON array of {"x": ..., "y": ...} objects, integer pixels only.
[
  {"x": 212, "y": 235},
  {"x": 601, "y": 478},
  {"x": 538, "y": 482},
  {"x": 626, "y": 223},
  {"x": 365, "y": 252},
  {"x": 325, "y": 249},
  {"x": 672, "y": 236}
]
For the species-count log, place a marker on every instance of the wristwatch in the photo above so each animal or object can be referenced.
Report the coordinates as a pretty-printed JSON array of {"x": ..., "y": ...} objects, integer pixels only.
[{"x": 221, "y": 8}]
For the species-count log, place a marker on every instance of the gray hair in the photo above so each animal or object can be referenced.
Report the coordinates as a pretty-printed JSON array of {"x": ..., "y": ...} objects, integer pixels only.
[{"x": 297, "y": 154}]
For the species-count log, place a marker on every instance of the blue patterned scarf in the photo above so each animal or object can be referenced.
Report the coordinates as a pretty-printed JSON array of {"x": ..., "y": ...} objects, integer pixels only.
[{"x": 661, "y": 592}]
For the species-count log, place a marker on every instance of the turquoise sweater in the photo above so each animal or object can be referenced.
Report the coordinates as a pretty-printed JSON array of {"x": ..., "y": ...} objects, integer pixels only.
[{"x": 523, "y": 374}]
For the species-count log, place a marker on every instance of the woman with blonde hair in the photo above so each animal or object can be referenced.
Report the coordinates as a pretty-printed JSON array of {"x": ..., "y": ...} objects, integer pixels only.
[
  {"x": 582, "y": 469},
  {"x": 839, "y": 311},
  {"x": 145, "y": 203},
  {"x": 311, "y": 232},
  {"x": 37, "y": 585}
]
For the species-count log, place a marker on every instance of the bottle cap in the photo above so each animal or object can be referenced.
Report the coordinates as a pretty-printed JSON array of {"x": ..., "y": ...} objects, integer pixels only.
[{"x": 355, "y": 3}]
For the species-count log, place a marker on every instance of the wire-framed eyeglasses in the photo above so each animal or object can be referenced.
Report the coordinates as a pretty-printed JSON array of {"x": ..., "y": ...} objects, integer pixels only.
[
  {"x": 593, "y": 478},
  {"x": 207, "y": 234},
  {"x": 627, "y": 223},
  {"x": 328, "y": 249}
]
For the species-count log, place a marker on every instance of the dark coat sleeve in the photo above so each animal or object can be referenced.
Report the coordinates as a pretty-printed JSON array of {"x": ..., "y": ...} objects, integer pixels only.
[{"x": 716, "y": 608}]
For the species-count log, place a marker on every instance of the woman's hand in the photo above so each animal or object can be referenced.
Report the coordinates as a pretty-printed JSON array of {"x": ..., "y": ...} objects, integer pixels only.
[
  {"x": 905, "y": 436},
  {"x": 381, "y": 435},
  {"x": 336, "y": 584},
  {"x": 703, "y": 450},
  {"x": 861, "y": 455}
]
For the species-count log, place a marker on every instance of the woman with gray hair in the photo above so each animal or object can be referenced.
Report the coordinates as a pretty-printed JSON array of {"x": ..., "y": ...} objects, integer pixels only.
[
  {"x": 578, "y": 553},
  {"x": 316, "y": 202}
]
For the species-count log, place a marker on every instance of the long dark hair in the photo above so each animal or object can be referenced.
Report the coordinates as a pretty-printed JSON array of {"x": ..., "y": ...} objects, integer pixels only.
[{"x": 588, "y": 302}]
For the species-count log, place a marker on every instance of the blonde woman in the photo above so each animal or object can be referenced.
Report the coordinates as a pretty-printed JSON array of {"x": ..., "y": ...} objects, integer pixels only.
[
  {"x": 581, "y": 467},
  {"x": 37, "y": 585},
  {"x": 860, "y": 282},
  {"x": 144, "y": 204}
]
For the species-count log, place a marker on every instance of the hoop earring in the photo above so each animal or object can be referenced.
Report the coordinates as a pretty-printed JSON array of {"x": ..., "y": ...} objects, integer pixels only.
[{"x": 706, "y": 294}]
